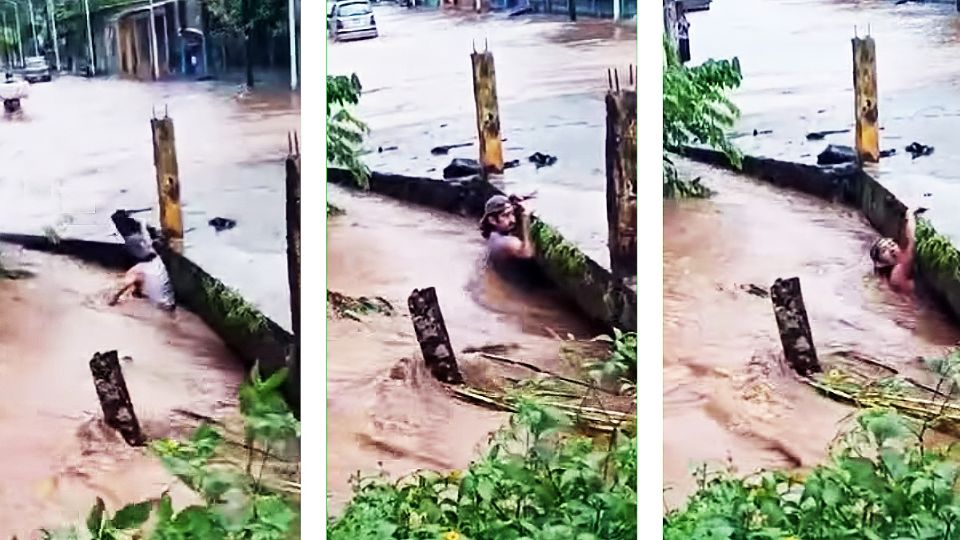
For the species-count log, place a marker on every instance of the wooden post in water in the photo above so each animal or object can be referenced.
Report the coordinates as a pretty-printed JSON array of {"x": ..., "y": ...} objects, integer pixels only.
[
  {"x": 795, "y": 334},
  {"x": 621, "y": 150},
  {"x": 865, "y": 91},
  {"x": 432, "y": 335},
  {"x": 488, "y": 112},
  {"x": 168, "y": 177},
  {"x": 114, "y": 397},
  {"x": 293, "y": 260}
]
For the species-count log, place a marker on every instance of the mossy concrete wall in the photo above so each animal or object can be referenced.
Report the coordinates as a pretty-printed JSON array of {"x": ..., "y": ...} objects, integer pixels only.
[
  {"x": 250, "y": 334},
  {"x": 591, "y": 287},
  {"x": 937, "y": 257}
]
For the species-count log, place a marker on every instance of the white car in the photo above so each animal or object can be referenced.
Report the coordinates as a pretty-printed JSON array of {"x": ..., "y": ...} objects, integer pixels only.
[{"x": 352, "y": 19}]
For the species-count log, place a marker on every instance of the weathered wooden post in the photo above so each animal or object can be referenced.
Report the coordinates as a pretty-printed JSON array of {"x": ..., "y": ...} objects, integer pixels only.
[
  {"x": 293, "y": 261},
  {"x": 621, "y": 150},
  {"x": 432, "y": 335},
  {"x": 488, "y": 112},
  {"x": 865, "y": 90},
  {"x": 114, "y": 397},
  {"x": 168, "y": 177},
  {"x": 794, "y": 328}
]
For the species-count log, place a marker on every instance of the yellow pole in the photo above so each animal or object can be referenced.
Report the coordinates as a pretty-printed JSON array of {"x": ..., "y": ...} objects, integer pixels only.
[
  {"x": 168, "y": 177},
  {"x": 488, "y": 113},
  {"x": 865, "y": 91}
]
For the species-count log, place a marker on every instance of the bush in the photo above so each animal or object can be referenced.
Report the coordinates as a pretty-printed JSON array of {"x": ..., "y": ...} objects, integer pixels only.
[
  {"x": 537, "y": 481},
  {"x": 696, "y": 110},
  {"x": 880, "y": 483}
]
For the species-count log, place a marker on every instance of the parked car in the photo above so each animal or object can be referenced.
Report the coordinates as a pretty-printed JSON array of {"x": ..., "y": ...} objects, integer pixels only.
[
  {"x": 351, "y": 20},
  {"x": 696, "y": 5},
  {"x": 36, "y": 69}
]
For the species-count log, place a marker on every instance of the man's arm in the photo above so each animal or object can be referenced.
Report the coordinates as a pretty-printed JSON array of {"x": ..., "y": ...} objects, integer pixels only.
[{"x": 901, "y": 276}]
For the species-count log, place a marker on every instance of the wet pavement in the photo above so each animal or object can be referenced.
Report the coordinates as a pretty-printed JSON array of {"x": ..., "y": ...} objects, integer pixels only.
[
  {"x": 727, "y": 397},
  {"x": 551, "y": 82},
  {"x": 82, "y": 148},
  {"x": 798, "y": 77}
]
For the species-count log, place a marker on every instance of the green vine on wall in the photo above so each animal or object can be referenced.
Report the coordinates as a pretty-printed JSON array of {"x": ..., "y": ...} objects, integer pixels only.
[{"x": 935, "y": 251}]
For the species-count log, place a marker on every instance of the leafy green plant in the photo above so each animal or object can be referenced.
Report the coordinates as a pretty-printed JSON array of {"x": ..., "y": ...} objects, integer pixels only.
[
  {"x": 696, "y": 109},
  {"x": 620, "y": 365},
  {"x": 344, "y": 131},
  {"x": 236, "y": 504},
  {"x": 935, "y": 252},
  {"x": 879, "y": 483},
  {"x": 536, "y": 481}
]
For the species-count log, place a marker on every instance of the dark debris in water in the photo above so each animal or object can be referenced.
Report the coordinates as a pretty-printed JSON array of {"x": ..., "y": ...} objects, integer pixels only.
[
  {"x": 918, "y": 150},
  {"x": 445, "y": 149},
  {"x": 755, "y": 290},
  {"x": 542, "y": 160},
  {"x": 348, "y": 307},
  {"x": 221, "y": 224}
]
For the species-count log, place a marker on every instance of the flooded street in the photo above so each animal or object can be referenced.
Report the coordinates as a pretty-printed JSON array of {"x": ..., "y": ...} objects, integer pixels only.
[
  {"x": 726, "y": 396},
  {"x": 382, "y": 407},
  {"x": 58, "y": 456},
  {"x": 551, "y": 82},
  {"x": 82, "y": 149},
  {"x": 801, "y": 81}
]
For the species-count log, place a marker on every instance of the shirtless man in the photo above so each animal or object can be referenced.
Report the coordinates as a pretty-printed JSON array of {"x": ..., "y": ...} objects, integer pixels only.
[
  {"x": 893, "y": 260},
  {"x": 148, "y": 278}
]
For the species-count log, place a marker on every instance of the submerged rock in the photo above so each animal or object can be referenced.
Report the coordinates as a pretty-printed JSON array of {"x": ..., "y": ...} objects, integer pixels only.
[
  {"x": 461, "y": 167},
  {"x": 835, "y": 154}
]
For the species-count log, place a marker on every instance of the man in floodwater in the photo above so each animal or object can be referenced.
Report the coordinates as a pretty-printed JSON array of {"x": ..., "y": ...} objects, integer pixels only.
[
  {"x": 148, "y": 278},
  {"x": 511, "y": 255},
  {"x": 894, "y": 260}
]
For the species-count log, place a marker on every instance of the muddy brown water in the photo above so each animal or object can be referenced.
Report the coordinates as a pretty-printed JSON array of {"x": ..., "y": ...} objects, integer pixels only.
[
  {"x": 383, "y": 410},
  {"x": 727, "y": 400},
  {"x": 57, "y": 456},
  {"x": 551, "y": 82},
  {"x": 82, "y": 148}
]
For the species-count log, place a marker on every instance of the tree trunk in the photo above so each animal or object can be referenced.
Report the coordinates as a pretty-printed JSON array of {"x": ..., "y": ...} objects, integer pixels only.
[
  {"x": 432, "y": 335},
  {"x": 795, "y": 334},
  {"x": 114, "y": 398}
]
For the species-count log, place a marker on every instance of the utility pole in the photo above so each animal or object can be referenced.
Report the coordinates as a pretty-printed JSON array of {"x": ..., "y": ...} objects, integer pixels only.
[
  {"x": 617, "y": 7},
  {"x": 53, "y": 29},
  {"x": 572, "y": 6},
  {"x": 16, "y": 15},
  {"x": 93, "y": 60},
  {"x": 6, "y": 47},
  {"x": 293, "y": 43},
  {"x": 33, "y": 26},
  {"x": 153, "y": 44}
]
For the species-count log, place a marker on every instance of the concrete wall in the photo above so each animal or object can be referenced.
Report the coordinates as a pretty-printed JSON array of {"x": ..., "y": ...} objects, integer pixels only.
[
  {"x": 591, "y": 287},
  {"x": 937, "y": 257}
]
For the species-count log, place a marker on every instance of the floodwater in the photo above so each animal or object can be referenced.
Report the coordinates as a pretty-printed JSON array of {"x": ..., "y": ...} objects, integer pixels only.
[
  {"x": 384, "y": 411},
  {"x": 551, "y": 83},
  {"x": 726, "y": 396},
  {"x": 800, "y": 79},
  {"x": 57, "y": 455},
  {"x": 82, "y": 149}
]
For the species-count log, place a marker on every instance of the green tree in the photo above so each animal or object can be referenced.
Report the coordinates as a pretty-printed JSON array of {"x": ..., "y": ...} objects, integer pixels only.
[
  {"x": 344, "y": 131},
  {"x": 696, "y": 110},
  {"x": 239, "y": 18}
]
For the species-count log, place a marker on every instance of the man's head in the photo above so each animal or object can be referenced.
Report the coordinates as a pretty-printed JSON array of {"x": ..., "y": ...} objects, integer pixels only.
[
  {"x": 884, "y": 253},
  {"x": 498, "y": 216}
]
